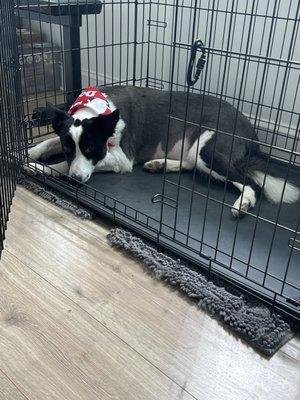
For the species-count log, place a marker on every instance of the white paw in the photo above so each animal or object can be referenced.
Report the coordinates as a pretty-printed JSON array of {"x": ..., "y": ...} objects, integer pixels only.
[
  {"x": 239, "y": 209},
  {"x": 36, "y": 168},
  {"x": 34, "y": 153},
  {"x": 116, "y": 169},
  {"x": 155, "y": 166}
]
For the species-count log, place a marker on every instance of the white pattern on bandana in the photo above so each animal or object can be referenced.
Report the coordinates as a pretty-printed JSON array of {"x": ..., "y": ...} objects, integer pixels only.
[{"x": 93, "y": 99}]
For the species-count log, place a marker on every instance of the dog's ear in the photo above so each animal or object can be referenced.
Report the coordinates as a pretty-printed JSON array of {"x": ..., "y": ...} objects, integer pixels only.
[
  {"x": 59, "y": 117},
  {"x": 106, "y": 124}
]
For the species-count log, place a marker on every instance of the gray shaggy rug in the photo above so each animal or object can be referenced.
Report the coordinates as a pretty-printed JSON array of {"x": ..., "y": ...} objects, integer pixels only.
[{"x": 250, "y": 319}]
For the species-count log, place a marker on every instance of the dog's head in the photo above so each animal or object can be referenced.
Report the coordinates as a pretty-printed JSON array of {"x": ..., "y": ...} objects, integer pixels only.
[{"x": 84, "y": 142}]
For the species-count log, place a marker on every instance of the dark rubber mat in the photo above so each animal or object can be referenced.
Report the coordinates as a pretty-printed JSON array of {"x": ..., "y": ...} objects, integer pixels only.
[{"x": 269, "y": 251}]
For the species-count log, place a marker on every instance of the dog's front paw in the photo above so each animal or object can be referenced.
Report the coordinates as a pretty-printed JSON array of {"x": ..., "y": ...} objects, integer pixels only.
[
  {"x": 154, "y": 166},
  {"x": 116, "y": 169},
  {"x": 36, "y": 169},
  {"x": 34, "y": 153}
]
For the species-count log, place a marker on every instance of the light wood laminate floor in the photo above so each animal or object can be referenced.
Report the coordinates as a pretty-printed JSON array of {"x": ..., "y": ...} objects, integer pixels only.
[{"x": 79, "y": 320}]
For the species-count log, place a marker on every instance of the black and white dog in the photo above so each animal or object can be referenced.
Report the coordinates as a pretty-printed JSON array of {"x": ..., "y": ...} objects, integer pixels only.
[{"x": 113, "y": 140}]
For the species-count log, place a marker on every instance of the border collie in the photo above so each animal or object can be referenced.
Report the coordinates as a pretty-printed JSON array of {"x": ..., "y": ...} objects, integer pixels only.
[{"x": 95, "y": 136}]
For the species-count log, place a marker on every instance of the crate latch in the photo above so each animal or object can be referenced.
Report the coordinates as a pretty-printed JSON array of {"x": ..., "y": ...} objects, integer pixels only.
[
  {"x": 198, "y": 45},
  {"x": 160, "y": 198}
]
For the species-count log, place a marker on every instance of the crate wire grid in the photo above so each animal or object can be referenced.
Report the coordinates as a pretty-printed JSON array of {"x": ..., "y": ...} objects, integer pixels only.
[
  {"x": 253, "y": 62},
  {"x": 12, "y": 132}
]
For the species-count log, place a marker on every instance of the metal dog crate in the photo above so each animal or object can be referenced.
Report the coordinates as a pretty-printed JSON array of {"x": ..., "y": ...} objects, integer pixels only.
[{"x": 244, "y": 52}]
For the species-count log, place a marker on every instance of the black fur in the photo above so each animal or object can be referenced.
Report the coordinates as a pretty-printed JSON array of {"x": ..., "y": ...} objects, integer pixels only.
[
  {"x": 145, "y": 112},
  {"x": 96, "y": 132},
  {"x": 93, "y": 141}
]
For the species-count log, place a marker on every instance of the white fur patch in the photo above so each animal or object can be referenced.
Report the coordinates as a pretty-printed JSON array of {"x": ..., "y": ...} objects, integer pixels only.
[
  {"x": 273, "y": 188},
  {"x": 76, "y": 132},
  {"x": 245, "y": 201},
  {"x": 119, "y": 129},
  {"x": 121, "y": 162},
  {"x": 46, "y": 148},
  {"x": 80, "y": 166},
  {"x": 194, "y": 155},
  {"x": 158, "y": 165},
  {"x": 174, "y": 153},
  {"x": 120, "y": 124}
]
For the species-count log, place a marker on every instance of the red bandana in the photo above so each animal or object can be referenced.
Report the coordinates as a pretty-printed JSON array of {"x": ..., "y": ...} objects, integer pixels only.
[{"x": 93, "y": 99}]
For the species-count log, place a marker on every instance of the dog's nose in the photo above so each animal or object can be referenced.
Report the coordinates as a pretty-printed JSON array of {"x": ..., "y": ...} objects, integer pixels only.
[{"x": 77, "y": 177}]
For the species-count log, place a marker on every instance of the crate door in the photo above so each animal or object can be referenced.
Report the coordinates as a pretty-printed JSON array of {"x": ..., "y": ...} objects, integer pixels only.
[{"x": 11, "y": 126}]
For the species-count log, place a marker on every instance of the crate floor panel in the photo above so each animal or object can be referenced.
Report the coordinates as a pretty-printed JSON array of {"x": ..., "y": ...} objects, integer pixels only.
[{"x": 212, "y": 224}]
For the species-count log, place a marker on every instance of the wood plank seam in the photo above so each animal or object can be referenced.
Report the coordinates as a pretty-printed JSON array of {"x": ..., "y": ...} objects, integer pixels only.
[
  {"x": 104, "y": 326},
  {"x": 13, "y": 383}
]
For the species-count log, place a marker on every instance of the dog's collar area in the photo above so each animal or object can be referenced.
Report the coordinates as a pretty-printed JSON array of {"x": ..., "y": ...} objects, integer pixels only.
[
  {"x": 111, "y": 143},
  {"x": 93, "y": 99}
]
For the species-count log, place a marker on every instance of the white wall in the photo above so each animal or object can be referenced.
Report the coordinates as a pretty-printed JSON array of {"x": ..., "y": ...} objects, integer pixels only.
[{"x": 273, "y": 84}]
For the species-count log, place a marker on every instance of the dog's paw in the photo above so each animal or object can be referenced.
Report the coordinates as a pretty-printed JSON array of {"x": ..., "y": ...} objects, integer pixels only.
[
  {"x": 238, "y": 210},
  {"x": 116, "y": 169},
  {"x": 36, "y": 169},
  {"x": 34, "y": 153},
  {"x": 154, "y": 166}
]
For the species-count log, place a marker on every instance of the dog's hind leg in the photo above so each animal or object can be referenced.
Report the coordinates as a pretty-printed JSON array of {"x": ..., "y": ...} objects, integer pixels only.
[
  {"x": 222, "y": 170},
  {"x": 47, "y": 148},
  {"x": 158, "y": 165}
]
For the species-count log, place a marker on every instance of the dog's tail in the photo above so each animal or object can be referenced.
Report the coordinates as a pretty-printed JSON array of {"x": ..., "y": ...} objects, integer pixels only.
[{"x": 275, "y": 189}]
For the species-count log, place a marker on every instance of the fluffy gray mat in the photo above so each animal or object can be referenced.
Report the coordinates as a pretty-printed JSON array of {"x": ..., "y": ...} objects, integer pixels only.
[
  {"x": 52, "y": 197},
  {"x": 256, "y": 323}
]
